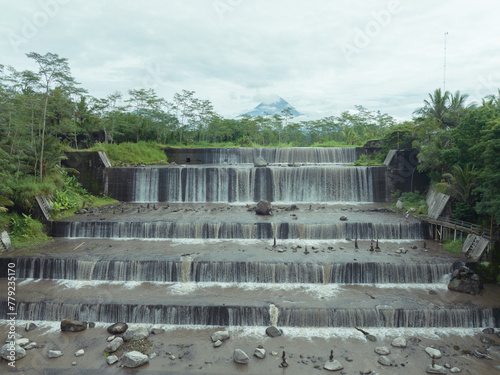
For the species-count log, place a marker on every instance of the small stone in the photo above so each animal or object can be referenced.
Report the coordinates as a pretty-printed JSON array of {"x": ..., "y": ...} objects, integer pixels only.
[
  {"x": 239, "y": 356},
  {"x": 273, "y": 331},
  {"x": 365, "y": 372},
  {"x": 54, "y": 353},
  {"x": 489, "y": 331},
  {"x": 152, "y": 355},
  {"x": 383, "y": 360},
  {"x": 30, "y": 346},
  {"x": 434, "y": 353},
  {"x": 371, "y": 338},
  {"x": 110, "y": 338},
  {"x": 220, "y": 335},
  {"x": 118, "y": 328},
  {"x": 30, "y": 326},
  {"x": 79, "y": 353},
  {"x": 274, "y": 353},
  {"x": 260, "y": 353},
  {"x": 157, "y": 331},
  {"x": 22, "y": 342},
  {"x": 382, "y": 350},
  {"x": 114, "y": 345},
  {"x": 217, "y": 343},
  {"x": 73, "y": 363},
  {"x": 333, "y": 365},
  {"x": 436, "y": 369},
  {"x": 70, "y": 325},
  {"x": 343, "y": 218},
  {"x": 16, "y": 336},
  {"x": 91, "y": 325},
  {"x": 399, "y": 342},
  {"x": 349, "y": 359},
  {"x": 455, "y": 370},
  {"x": 112, "y": 359},
  {"x": 172, "y": 357}
]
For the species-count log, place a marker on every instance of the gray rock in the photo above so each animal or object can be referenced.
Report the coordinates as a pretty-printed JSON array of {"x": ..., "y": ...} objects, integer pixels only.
[
  {"x": 73, "y": 363},
  {"x": 220, "y": 335},
  {"x": 134, "y": 359},
  {"x": 153, "y": 355},
  {"x": 70, "y": 325},
  {"x": 12, "y": 352},
  {"x": 114, "y": 345},
  {"x": 382, "y": 350},
  {"x": 272, "y": 331},
  {"x": 399, "y": 342},
  {"x": 239, "y": 356},
  {"x": 55, "y": 354},
  {"x": 30, "y": 346},
  {"x": 157, "y": 331},
  {"x": 22, "y": 342},
  {"x": 112, "y": 359},
  {"x": 436, "y": 369},
  {"x": 260, "y": 353},
  {"x": 263, "y": 208},
  {"x": 489, "y": 331},
  {"x": 455, "y": 370},
  {"x": 117, "y": 328},
  {"x": 79, "y": 353},
  {"x": 383, "y": 360},
  {"x": 110, "y": 338},
  {"x": 136, "y": 333},
  {"x": 259, "y": 161},
  {"x": 172, "y": 357},
  {"x": 217, "y": 344},
  {"x": 343, "y": 218},
  {"x": 30, "y": 326},
  {"x": 13, "y": 336},
  {"x": 399, "y": 205},
  {"x": 4, "y": 237},
  {"x": 365, "y": 372},
  {"x": 434, "y": 353},
  {"x": 333, "y": 365},
  {"x": 370, "y": 338}
]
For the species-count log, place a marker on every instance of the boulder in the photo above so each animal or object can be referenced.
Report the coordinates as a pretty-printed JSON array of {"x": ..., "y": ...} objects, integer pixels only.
[
  {"x": 333, "y": 365},
  {"x": 4, "y": 237},
  {"x": 22, "y": 342},
  {"x": 272, "y": 331},
  {"x": 489, "y": 331},
  {"x": 433, "y": 353},
  {"x": 260, "y": 353},
  {"x": 117, "y": 328},
  {"x": 136, "y": 333},
  {"x": 259, "y": 161},
  {"x": 134, "y": 359},
  {"x": 70, "y": 325},
  {"x": 464, "y": 280},
  {"x": 383, "y": 360},
  {"x": 239, "y": 356},
  {"x": 112, "y": 359},
  {"x": 12, "y": 352},
  {"x": 263, "y": 208},
  {"x": 13, "y": 336},
  {"x": 399, "y": 205},
  {"x": 79, "y": 353},
  {"x": 399, "y": 342},
  {"x": 114, "y": 345},
  {"x": 220, "y": 335},
  {"x": 382, "y": 350},
  {"x": 55, "y": 354}
]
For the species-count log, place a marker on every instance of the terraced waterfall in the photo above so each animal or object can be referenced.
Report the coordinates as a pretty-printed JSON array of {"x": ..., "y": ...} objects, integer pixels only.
[{"x": 186, "y": 248}]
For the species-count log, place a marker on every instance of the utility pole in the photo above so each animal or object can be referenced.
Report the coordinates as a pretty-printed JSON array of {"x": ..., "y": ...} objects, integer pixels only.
[{"x": 444, "y": 66}]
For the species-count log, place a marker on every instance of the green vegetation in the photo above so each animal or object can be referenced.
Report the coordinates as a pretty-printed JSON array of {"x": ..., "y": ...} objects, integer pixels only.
[
  {"x": 454, "y": 247},
  {"x": 133, "y": 153},
  {"x": 369, "y": 160},
  {"x": 25, "y": 231},
  {"x": 72, "y": 197},
  {"x": 414, "y": 202}
]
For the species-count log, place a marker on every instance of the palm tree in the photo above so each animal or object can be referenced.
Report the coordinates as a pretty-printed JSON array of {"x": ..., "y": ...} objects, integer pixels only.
[
  {"x": 462, "y": 182},
  {"x": 436, "y": 107}
]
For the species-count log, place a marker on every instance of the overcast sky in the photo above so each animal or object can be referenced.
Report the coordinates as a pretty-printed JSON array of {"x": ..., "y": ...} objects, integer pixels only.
[{"x": 322, "y": 56}]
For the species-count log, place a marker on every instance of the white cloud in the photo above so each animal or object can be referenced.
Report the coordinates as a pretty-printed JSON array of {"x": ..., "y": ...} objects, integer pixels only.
[{"x": 323, "y": 56}]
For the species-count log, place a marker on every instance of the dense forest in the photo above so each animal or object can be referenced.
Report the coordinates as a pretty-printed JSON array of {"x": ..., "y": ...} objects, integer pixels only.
[{"x": 44, "y": 113}]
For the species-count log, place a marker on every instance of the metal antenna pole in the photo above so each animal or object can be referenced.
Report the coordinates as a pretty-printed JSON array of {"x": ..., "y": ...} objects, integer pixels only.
[{"x": 444, "y": 66}]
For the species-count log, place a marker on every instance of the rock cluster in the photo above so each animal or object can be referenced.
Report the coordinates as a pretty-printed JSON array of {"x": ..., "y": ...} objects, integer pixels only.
[{"x": 465, "y": 280}]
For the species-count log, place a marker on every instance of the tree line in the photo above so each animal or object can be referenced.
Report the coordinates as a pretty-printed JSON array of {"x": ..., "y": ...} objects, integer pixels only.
[{"x": 45, "y": 112}]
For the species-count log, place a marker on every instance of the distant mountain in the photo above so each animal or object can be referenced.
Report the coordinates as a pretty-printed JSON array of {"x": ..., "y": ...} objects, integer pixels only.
[{"x": 271, "y": 108}]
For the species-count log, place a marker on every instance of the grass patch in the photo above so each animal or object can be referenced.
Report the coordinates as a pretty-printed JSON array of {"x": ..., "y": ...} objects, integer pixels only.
[
  {"x": 454, "y": 247},
  {"x": 133, "y": 153},
  {"x": 26, "y": 231},
  {"x": 413, "y": 202},
  {"x": 370, "y": 160}
]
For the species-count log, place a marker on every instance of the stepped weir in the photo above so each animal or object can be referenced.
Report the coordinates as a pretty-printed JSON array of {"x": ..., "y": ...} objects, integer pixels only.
[{"x": 192, "y": 224}]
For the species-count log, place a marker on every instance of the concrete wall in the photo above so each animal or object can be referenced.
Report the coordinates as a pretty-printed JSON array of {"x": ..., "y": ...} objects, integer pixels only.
[
  {"x": 402, "y": 172},
  {"x": 91, "y": 166}
]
